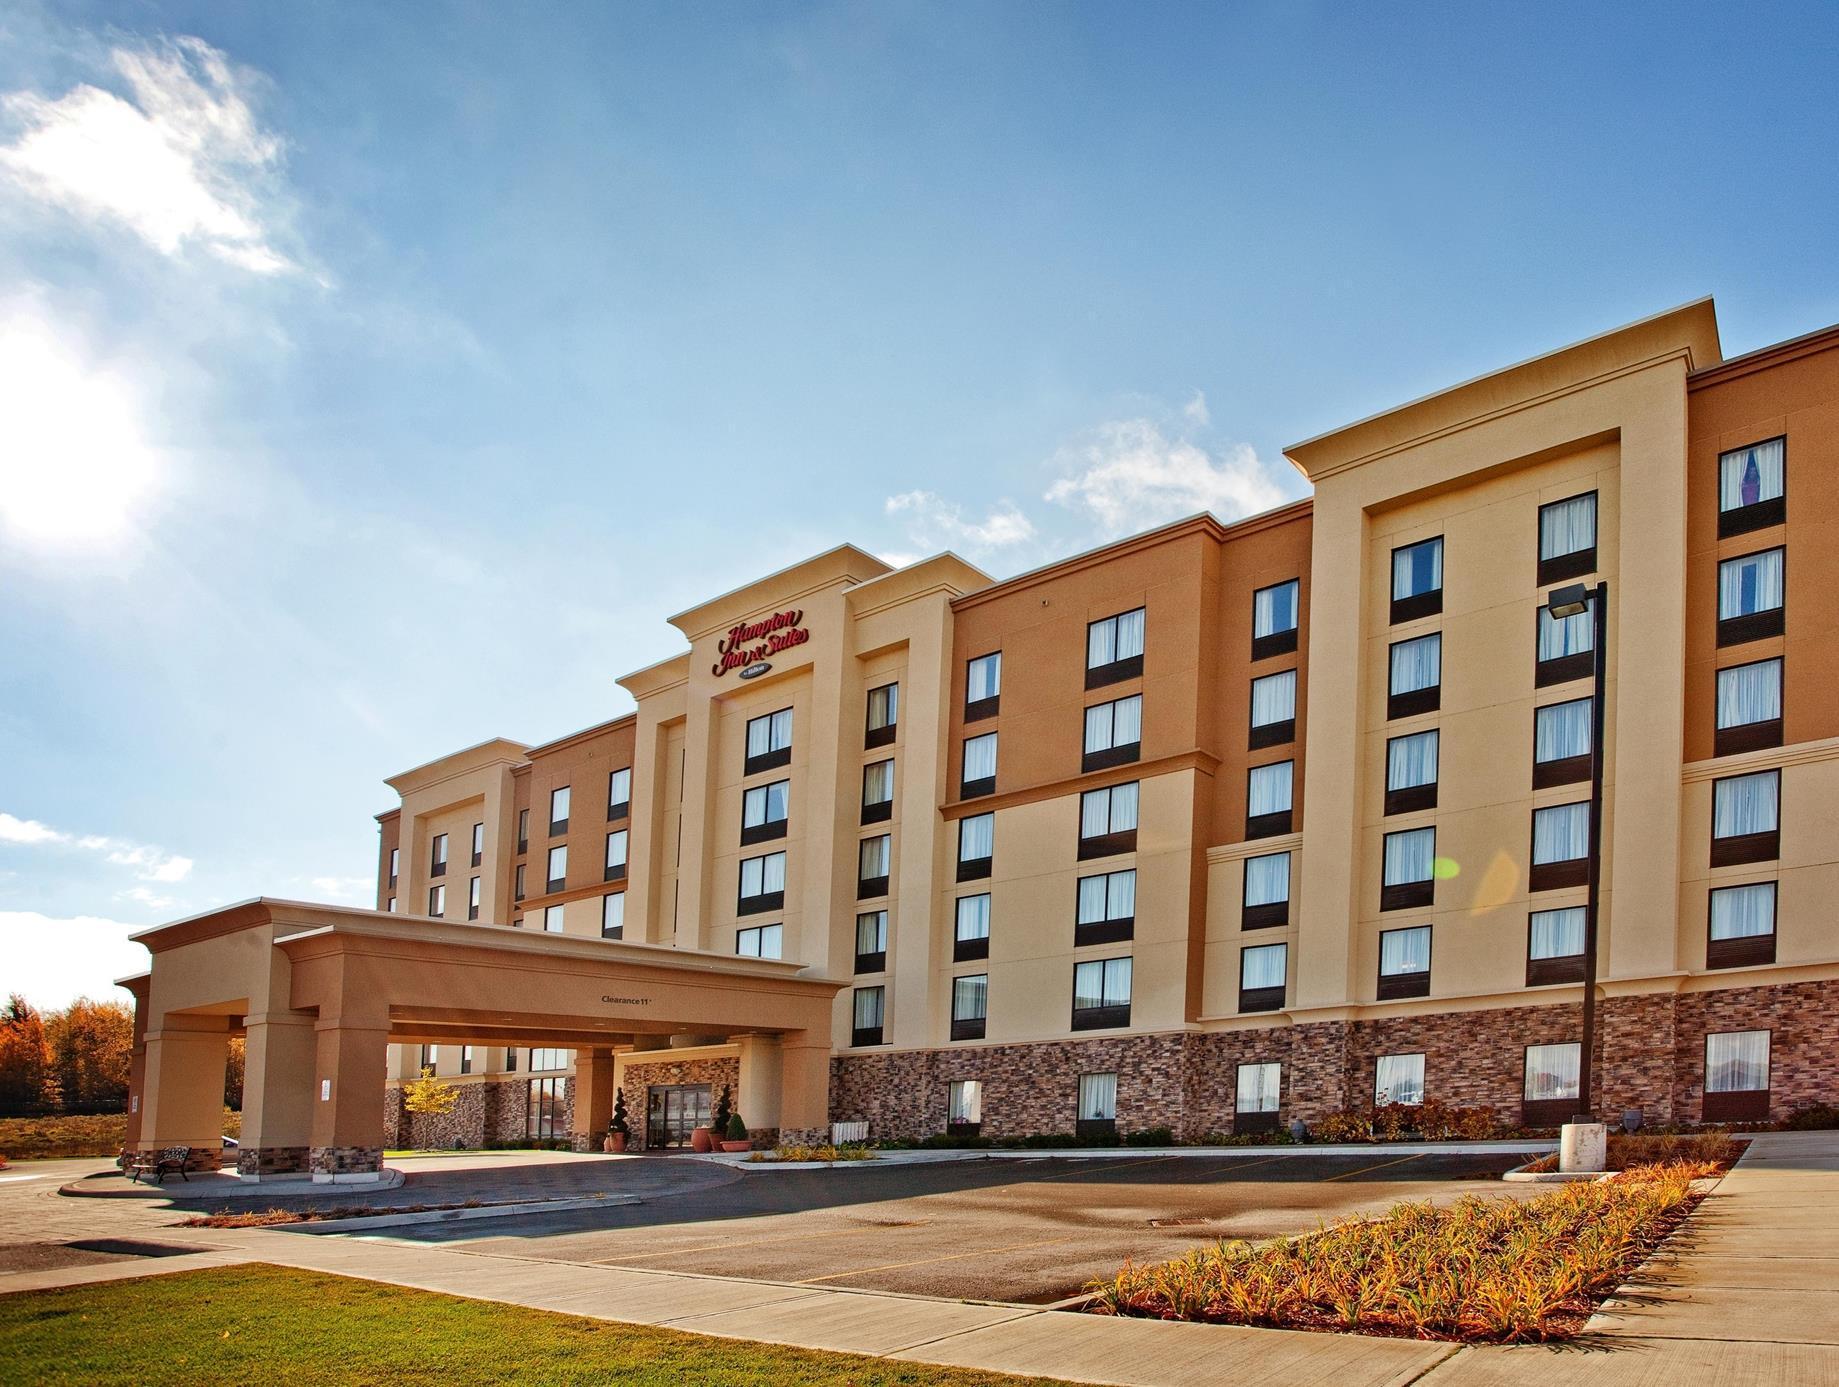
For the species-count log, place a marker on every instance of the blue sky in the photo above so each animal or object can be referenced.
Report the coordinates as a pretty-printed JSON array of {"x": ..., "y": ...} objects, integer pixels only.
[{"x": 376, "y": 379}]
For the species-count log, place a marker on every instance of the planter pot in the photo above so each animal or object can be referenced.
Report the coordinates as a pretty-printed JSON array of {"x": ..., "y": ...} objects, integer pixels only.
[
  {"x": 702, "y": 1139},
  {"x": 733, "y": 1146},
  {"x": 615, "y": 1144}
]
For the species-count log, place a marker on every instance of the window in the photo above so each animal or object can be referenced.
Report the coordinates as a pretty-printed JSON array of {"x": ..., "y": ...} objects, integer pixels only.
[
  {"x": 976, "y": 846},
  {"x": 545, "y": 1118},
  {"x": 1553, "y": 1079},
  {"x": 392, "y": 905},
  {"x": 1255, "y": 1094},
  {"x": 1262, "y": 969},
  {"x": 1560, "y": 847},
  {"x": 971, "y": 929},
  {"x": 1107, "y": 908},
  {"x": 558, "y": 810},
  {"x": 466, "y": 1059},
  {"x": 983, "y": 686},
  {"x": 763, "y": 811},
  {"x": 1567, "y": 539},
  {"x": 871, "y": 941},
  {"x": 510, "y": 1060},
  {"x": 970, "y": 1002},
  {"x": 523, "y": 830},
  {"x": 1274, "y": 615},
  {"x": 877, "y": 792},
  {"x": 1750, "y": 597},
  {"x": 964, "y": 1107},
  {"x": 558, "y": 867},
  {"x": 616, "y": 855},
  {"x": 1565, "y": 645},
  {"x": 395, "y": 864},
  {"x": 1398, "y": 1080},
  {"x": 1749, "y": 707},
  {"x": 1114, "y": 648},
  {"x": 478, "y": 844},
  {"x": 883, "y": 715},
  {"x": 619, "y": 794},
  {"x": 1101, "y": 994},
  {"x": 1268, "y": 791},
  {"x": 1417, "y": 580},
  {"x": 427, "y": 1058},
  {"x": 548, "y": 1059},
  {"x": 868, "y": 1012},
  {"x": 1411, "y": 772},
  {"x": 613, "y": 916},
  {"x": 1097, "y": 1115},
  {"x": 1274, "y": 709},
  {"x": 1410, "y": 869},
  {"x": 762, "y": 884},
  {"x": 1114, "y": 733},
  {"x": 1404, "y": 963},
  {"x": 1267, "y": 891},
  {"x": 1415, "y": 678},
  {"x": 518, "y": 876},
  {"x": 1745, "y": 821},
  {"x": 979, "y": 768},
  {"x": 437, "y": 901},
  {"x": 437, "y": 862},
  {"x": 1561, "y": 743},
  {"x": 769, "y": 741},
  {"x": 472, "y": 899},
  {"x": 1751, "y": 484},
  {"x": 1555, "y": 946},
  {"x": 552, "y": 919},
  {"x": 872, "y": 862},
  {"x": 759, "y": 941},
  {"x": 1741, "y": 930},
  {"x": 1737, "y": 1076},
  {"x": 1108, "y": 821}
]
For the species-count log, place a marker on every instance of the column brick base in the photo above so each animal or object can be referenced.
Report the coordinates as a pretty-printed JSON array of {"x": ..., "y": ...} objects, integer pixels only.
[
  {"x": 347, "y": 1160},
  {"x": 274, "y": 1160}
]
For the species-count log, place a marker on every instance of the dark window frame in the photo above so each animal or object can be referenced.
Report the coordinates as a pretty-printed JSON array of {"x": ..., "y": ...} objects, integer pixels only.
[
  {"x": 1409, "y": 895},
  {"x": 1759, "y": 515},
  {"x": 766, "y": 900},
  {"x": 1256, "y": 999},
  {"x": 1414, "y": 702},
  {"x": 1394, "y": 987},
  {"x": 619, "y": 809},
  {"x": 1746, "y": 847},
  {"x": 1563, "y": 669},
  {"x": 1578, "y": 562},
  {"x": 1281, "y": 642},
  {"x": 1278, "y": 822},
  {"x": 1563, "y": 770},
  {"x": 1735, "y": 1105},
  {"x": 478, "y": 840},
  {"x": 886, "y": 734},
  {"x": 1560, "y": 968},
  {"x": 1116, "y": 671},
  {"x": 1748, "y": 950},
  {"x": 1758, "y": 625},
  {"x": 1749, "y": 736},
  {"x": 970, "y": 1027},
  {"x": 975, "y": 710},
  {"x": 1566, "y": 872},
  {"x": 768, "y": 760},
  {"x": 1419, "y": 604}
]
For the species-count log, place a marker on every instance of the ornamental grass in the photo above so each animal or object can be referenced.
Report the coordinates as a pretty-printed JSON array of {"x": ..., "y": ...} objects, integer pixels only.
[
  {"x": 850, "y": 1152},
  {"x": 1497, "y": 1270}
]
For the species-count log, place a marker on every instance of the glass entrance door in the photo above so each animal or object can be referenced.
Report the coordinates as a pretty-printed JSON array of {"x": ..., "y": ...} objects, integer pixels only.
[{"x": 672, "y": 1112}]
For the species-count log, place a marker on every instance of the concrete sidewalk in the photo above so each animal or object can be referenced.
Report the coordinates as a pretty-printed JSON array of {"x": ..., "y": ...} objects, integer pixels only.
[{"x": 1745, "y": 1294}]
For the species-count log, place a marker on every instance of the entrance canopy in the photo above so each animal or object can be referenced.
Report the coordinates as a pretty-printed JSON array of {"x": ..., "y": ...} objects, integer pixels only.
[{"x": 321, "y": 991}]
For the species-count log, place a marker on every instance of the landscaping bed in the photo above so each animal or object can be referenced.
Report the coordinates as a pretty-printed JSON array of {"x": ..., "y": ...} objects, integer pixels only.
[
  {"x": 276, "y": 1218},
  {"x": 848, "y": 1152},
  {"x": 1627, "y": 1152},
  {"x": 1481, "y": 1270}
]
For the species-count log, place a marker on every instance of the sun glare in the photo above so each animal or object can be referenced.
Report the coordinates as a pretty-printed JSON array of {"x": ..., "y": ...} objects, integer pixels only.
[{"x": 74, "y": 464}]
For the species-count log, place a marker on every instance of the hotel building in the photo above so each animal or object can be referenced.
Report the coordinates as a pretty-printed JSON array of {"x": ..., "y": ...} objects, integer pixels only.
[{"x": 1212, "y": 828}]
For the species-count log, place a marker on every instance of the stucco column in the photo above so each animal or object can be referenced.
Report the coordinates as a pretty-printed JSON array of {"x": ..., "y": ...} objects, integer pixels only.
[
  {"x": 279, "y": 1059},
  {"x": 593, "y": 1112},
  {"x": 760, "y": 1099},
  {"x": 804, "y": 1088},
  {"x": 183, "y": 1101},
  {"x": 137, "y": 1065},
  {"x": 351, "y": 1062}
]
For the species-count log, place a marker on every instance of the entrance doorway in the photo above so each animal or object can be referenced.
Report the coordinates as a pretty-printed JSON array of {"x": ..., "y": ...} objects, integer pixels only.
[{"x": 672, "y": 1112}]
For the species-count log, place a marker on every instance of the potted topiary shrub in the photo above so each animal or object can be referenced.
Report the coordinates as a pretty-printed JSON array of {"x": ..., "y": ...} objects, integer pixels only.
[
  {"x": 735, "y": 1135},
  {"x": 708, "y": 1138},
  {"x": 621, "y": 1130}
]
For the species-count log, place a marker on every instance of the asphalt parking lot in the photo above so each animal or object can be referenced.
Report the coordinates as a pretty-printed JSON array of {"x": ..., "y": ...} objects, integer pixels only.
[{"x": 1019, "y": 1230}]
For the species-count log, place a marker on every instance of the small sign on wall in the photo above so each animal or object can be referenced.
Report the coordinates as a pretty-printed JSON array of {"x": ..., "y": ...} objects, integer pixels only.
[{"x": 325, "y": 1090}]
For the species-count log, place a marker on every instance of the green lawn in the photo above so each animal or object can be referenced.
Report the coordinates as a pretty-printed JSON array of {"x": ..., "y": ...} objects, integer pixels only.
[{"x": 271, "y": 1325}]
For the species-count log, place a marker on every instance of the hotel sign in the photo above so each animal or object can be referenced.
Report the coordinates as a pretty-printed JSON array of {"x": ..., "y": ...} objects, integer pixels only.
[{"x": 747, "y": 647}]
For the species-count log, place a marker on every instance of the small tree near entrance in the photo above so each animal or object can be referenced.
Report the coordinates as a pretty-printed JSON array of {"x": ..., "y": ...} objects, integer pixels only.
[
  {"x": 724, "y": 1109},
  {"x": 429, "y": 1096}
]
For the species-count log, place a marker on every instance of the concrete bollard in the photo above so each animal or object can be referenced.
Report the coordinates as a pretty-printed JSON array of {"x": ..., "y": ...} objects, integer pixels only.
[{"x": 1582, "y": 1147}]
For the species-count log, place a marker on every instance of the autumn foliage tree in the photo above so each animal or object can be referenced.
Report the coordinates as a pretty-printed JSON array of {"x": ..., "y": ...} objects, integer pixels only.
[
  {"x": 24, "y": 1057},
  {"x": 72, "y": 1059}
]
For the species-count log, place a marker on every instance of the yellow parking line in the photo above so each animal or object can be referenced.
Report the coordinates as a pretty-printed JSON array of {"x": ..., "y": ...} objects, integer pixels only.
[
  {"x": 1348, "y": 1175},
  {"x": 725, "y": 1243},
  {"x": 947, "y": 1257},
  {"x": 1237, "y": 1166},
  {"x": 1118, "y": 1165}
]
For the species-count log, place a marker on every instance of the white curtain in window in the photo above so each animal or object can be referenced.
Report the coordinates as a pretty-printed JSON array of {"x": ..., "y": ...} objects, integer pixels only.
[
  {"x": 1123, "y": 807},
  {"x": 558, "y": 862},
  {"x": 613, "y": 912},
  {"x": 616, "y": 848},
  {"x": 1115, "y": 638},
  {"x": 1562, "y": 730},
  {"x": 1127, "y": 720},
  {"x": 1091, "y": 899},
  {"x": 1399, "y": 1079},
  {"x": 770, "y": 936},
  {"x": 1571, "y": 635},
  {"x": 1744, "y": 804},
  {"x": 1404, "y": 951},
  {"x": 1561, "y": 833},
  {"x": 883, "y": 706},
  {"x": 1117, "y": 982},
  {"x": 1088, "y": 986},
  {"x": 1130, "y": 634},
  {"x": 1263, "y": 966},
  {"x": 872, "y": 932},
  {"x": 1552, "y": 1071},
  {"x": 1257, "y": 1088},
  {"x": 1274, "y": 609},
  {"x": 558, "y": 805},
  {"x": 1567, "y": 526},
  {"x": 1743, "y": 912},
  {"x": 875, "y": 857},
  {"x": 878, "y": 782},
  {"x": 970, "y": 997},
  {"x": 868, "y": 1008},
  {"x": 966, "y": 1101},
  {"x": 1274, "y": 698},
  {"x": 1098, "y": 1096},
  {"x": 1557, "y": 933},
  {"x": 1750, "y": 693},
  {"x": 759, "y": 736},
  {"x": 1408, "y": 856},
  {"x": 1749, "y": 475},
  {"x": 1737, "y": 1062},
  {"x": 976, "y": 837},
  {"x": 984, "y": 678},
  {"x": 1267, "y": 879},
  {"x": 1268, "y": 789},
  {"x": 980, "y": 757},
  {"x": 619, "y": 788},
  {"x": 1750, "y": 584},
  {"x": 1417, "y": 664},
  {"x": 1417, "y": 568},
  {"x": 973, "y": 920},
  {"x": 552, "y": 919},
  {"x": 1098, "y": 727},
  {"x": 1411, "y": 761}
]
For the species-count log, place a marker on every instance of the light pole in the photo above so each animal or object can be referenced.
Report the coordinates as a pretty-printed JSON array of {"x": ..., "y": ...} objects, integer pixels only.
[{"x": 1567, "y": 602}]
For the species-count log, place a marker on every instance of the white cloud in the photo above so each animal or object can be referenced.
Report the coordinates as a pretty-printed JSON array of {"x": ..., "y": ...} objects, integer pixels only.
[
  {"x": 149, "y": 863},
  {"x": 53, "y": 960},
  {"x": 1195, "y": 410},
  {"x": 14, "y": 830},
  {"x": 344, "y": 888},
  {"x": 181, "y": 161},
  {"x": 934, "y": 523},
  {"x": 147, "y": 896},
  {"x": 1130, "y": 475}
]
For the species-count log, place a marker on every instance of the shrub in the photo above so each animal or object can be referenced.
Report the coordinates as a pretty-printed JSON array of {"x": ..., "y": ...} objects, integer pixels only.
[
  {"x": 621, "y": 1123},
  {"x": 848, "y": 1152},
  {"x": 736, "y": 1129},
  {"x": 1816, "y": 1117},
  {"x": 1151, "y": 1136},
  {"x": 724, "y": 1109}
]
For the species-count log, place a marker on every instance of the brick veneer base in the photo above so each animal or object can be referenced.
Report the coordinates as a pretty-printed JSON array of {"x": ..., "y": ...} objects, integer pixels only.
[
  {"x": 642, "y": 1074},
  {"x": 274, "y": 1160},
  {"x": 490, "y": 1112},
  {"x": 347, "y": 1160}
]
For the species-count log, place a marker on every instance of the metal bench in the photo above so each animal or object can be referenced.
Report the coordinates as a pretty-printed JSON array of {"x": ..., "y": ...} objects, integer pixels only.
[{"x": 157, "y": 1165}]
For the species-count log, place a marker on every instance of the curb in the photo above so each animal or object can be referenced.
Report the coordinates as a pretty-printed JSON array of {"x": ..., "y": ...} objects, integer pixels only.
[
  {"x": 368, "y": 1221},
  {"x": 272, "y": 1188},
  {"x": 1531, "y": 1147}
]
